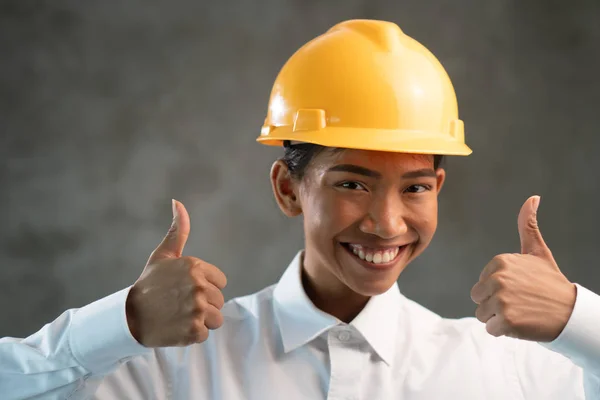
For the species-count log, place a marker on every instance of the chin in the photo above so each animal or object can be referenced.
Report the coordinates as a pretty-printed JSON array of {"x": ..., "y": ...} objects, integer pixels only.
[{"x": 374, "y": 287}]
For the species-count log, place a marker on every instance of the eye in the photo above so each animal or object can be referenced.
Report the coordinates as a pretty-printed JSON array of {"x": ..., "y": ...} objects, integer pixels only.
[
  {"x": 417, "y": 188},
  {"x": 351, "y": 185}
]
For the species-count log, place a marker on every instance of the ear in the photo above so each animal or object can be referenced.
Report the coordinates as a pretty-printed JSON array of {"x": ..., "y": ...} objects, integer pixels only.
[
  {"x": 441, "y": 178},
  {"x": 285, "y": 189}
]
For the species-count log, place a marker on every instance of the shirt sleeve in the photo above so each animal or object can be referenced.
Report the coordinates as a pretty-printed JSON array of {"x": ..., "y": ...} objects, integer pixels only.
[
  {"x": 68, "y": 355},
  {"x": 572, "y": 368},
  {"x": 580, "y": 339}
]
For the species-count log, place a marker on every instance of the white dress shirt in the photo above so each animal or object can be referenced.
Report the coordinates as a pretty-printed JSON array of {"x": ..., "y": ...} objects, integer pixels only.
[{"x": 276, "y": 345}]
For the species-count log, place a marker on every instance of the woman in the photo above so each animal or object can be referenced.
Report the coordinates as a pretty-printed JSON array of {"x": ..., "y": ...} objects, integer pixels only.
[{"x": 364, "y": 114}]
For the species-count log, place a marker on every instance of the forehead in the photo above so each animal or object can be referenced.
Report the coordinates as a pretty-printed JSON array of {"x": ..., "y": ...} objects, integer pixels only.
[{"x": 375, "y": 160}]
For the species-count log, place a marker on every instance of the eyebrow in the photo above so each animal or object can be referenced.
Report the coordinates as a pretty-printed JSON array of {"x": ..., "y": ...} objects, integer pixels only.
[
  {"x": 420, "y": 173},
  {"x": 355, "y": 169}
]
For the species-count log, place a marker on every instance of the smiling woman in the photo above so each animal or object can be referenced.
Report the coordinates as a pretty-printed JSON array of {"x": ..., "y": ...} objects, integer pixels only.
[
  {"x": 366, "y": 214},
  {"x": 365, "y": 114}
]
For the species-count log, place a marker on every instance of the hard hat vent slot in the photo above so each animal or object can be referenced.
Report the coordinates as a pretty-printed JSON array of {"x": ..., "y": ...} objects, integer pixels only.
[
  {"x": 386, "y": 35},
  {"x": 457, "y": 130},
  {"x": 309, "y": 120}
]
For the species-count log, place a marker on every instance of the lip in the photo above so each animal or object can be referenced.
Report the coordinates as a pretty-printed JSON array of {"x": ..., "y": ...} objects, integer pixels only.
[{"x": 376, "y": 267}]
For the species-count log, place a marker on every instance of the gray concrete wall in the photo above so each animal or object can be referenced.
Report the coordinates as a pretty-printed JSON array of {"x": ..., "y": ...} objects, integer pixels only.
[{"x": 108, "y": 109}]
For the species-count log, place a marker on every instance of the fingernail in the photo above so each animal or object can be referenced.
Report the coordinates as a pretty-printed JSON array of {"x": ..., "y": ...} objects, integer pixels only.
[
  {"x": 173, "y": 226},
  {"x": 174, "y": 205},
  {"x": 536, "y": 203}
]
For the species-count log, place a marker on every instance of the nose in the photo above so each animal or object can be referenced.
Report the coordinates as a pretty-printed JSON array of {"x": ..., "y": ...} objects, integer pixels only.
[{"x": 386, "y": 217}]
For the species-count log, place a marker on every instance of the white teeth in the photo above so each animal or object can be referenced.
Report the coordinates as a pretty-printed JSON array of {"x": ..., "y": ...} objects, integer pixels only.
[
  {"x": 386, "y": 257},
  {"x": 376, "y": 257}
]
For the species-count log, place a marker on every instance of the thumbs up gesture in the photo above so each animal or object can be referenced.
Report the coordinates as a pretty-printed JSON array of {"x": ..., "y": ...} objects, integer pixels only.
[
  {"x": 525, "y": 295},
  {"x": 177, "y": 299}
]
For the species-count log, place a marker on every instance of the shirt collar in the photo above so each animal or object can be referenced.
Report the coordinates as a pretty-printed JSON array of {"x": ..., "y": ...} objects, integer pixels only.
[{"x": 300, "y": 321}]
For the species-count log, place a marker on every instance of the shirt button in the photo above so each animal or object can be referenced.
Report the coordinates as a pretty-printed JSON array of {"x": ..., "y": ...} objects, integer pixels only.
[{"x": 344, "y": 336}]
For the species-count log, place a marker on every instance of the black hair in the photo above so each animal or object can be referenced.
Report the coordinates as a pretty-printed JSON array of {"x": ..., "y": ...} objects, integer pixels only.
[{"x": 298, "y": 156}]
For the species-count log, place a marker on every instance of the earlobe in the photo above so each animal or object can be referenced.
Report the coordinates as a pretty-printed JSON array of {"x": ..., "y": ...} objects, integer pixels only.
[{"x": 284, "y": 189}]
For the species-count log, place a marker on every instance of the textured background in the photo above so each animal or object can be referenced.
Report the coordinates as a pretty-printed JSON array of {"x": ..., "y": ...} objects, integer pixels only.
[{"x": 108, "y": 109}]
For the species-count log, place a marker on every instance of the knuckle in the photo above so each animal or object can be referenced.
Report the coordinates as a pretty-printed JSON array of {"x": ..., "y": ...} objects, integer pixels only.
[
  {"x": 498, "y": 258},
  {"x": 502, "y": 301},
  {"x": 200, "y": 282},
  {"x": 501, "y": 279},
  {"x": 189, "y": 264},
  {"x": 532, "y": 222},
  {"x": 492, "y": 330},
  {"x": 194, "y": 328},
  {"x": 201, "y": 304},
  {"x": 202, "y": 334},
  {"x": 202, "y": 265},
  {"x": 502, "y": 259},
  {"x": 189, "y": 261},
  {"x": 197, "y": 310}
]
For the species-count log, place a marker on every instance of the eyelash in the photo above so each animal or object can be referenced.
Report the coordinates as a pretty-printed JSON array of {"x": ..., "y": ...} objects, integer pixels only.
[
  {"x": 426, "y": 188},
  {"x": 344, "y": 185}
]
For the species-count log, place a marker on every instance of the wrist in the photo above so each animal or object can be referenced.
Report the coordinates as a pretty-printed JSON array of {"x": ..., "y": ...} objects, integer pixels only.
[
  {"x": 130, "y": 313},
  {"x": 568, "y": 305}
]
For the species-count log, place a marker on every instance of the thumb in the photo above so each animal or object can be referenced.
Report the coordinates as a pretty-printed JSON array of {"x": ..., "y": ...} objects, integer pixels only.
[
  {"x": 174, "y": 242},
  {"x": 532, "y": 241}
]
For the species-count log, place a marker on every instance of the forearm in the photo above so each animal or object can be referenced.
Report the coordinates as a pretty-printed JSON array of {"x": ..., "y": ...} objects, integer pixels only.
[{"x": 69, "y": 356}]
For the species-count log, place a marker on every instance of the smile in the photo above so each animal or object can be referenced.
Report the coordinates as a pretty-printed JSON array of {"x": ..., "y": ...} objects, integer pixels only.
[{"x": 375, "y": 257}]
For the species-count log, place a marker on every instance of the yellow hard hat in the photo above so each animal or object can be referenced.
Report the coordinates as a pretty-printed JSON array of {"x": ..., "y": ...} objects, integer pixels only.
[{"x": 364, "y": 84}]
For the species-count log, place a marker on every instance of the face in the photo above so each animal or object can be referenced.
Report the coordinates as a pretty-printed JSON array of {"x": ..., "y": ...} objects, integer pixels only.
[{"x": 366, "y": 216}]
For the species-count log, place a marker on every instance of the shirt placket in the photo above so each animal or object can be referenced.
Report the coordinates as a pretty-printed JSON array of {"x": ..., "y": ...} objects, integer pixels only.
[{"x": 347, "y": 361}]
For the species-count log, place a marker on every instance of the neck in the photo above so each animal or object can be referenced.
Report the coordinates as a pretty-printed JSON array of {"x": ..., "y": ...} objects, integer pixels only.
[{"x": 334, "y": 299}]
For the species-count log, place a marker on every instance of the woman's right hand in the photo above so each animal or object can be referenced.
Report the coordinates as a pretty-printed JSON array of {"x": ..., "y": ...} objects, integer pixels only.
[{"x": 177, "y": 299}]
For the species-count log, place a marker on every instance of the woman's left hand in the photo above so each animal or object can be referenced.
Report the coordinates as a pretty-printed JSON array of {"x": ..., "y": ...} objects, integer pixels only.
[{"x": 525, "y": 296}]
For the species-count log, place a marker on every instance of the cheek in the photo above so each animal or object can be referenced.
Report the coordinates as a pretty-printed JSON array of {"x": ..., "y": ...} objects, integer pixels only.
[
  {"x": 330, "y": 213},
  {"x": 344, "y": 210},
  {"x": 424, "y": 220},
  {"x": 316, "y": 215}
]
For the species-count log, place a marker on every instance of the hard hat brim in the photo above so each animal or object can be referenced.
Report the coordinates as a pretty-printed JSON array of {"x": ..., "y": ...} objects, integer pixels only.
[{"x": 414, "y": 142}]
